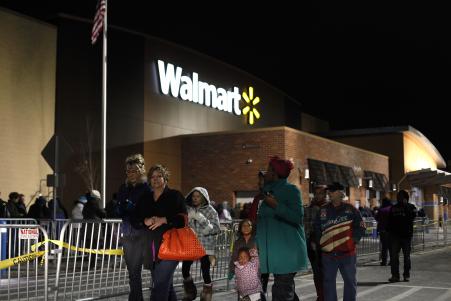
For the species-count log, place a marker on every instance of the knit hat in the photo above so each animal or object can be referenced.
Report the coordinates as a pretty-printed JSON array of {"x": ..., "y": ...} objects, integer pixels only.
[
  {"x": 281, "y": 167},
  {"x": 96, "y": 194}
]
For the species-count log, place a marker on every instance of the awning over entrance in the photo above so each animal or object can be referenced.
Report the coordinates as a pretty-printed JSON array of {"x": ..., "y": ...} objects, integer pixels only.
[
  {"x": 326, "y": 173},
  {"x": 426, "y": 177},
  {"x": 380, "y": 182}
]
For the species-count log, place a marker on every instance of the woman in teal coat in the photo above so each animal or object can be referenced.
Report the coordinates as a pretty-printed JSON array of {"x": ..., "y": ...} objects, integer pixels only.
[{"x": 280, "y": 231}]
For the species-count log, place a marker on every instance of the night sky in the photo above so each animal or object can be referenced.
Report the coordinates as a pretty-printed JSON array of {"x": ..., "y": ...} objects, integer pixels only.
[{"x": 356, "y": 67}]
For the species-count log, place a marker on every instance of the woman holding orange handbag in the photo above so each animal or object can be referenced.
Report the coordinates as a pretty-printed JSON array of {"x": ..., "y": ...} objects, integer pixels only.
[{"x": 159, "y": 211}]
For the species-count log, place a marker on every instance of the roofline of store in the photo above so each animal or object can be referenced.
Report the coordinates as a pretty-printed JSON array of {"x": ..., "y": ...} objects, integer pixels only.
[
  {"x": 30, "y": 18},
  {"x": 407, "y": 129}
]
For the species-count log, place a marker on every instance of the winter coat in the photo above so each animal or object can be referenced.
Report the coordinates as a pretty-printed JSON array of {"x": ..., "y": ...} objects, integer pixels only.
[
  {"x": 4, "y": 213},
  {"x": 92, "y": 211},
  {"x": 248, "y": 276},
  {"x": 203, "y": 220},
  {"x": 13, "y": 209},
  {"x": 60, "y": 211},
  {"x": 127, "y": 198},
  {"x": 39, "y": 209},
  {"x": 382, "y": 218},
  {"x": 400, "y": 220},
  {"x": 171, "y": 205},
  {"x": 237, "y": 245},
  {"x": 280, "y": 233},
  {"x": 339, "y": 229},
  {"x": 77, "y": 211}
]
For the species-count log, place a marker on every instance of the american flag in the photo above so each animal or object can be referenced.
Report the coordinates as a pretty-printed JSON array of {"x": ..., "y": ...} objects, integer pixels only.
[{"x": 98, "y": 20}]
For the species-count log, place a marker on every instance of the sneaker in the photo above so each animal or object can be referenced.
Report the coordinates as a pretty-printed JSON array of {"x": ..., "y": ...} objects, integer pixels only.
[
  {"x": 406, "y": 279},
  {"x": 394, "y": 279},
  {"x": 383, "y": 263}
]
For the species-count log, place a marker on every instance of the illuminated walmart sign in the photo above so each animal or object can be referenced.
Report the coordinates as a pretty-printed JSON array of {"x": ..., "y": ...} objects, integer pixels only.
[
  {"x": 250, "y": 109},
  {"x": 192, "y": 89}
]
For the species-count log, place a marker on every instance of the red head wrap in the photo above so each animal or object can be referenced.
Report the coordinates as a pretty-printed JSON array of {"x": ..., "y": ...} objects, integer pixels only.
[{"x": 281, "y": 167}]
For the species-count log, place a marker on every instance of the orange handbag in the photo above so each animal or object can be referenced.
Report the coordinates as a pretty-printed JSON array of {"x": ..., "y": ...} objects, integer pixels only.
[{"x": 181, "y": 244}]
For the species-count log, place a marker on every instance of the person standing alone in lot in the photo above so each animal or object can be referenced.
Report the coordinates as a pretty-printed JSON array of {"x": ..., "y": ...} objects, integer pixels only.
[{"x": 400, "y": 228}]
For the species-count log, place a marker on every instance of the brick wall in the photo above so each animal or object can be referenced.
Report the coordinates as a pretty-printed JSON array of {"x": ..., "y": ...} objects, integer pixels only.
[{"x": 219, "y": 162}]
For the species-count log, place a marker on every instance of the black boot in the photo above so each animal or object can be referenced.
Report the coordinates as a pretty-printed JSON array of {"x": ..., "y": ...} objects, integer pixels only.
[{"x": 190, "y": 289}]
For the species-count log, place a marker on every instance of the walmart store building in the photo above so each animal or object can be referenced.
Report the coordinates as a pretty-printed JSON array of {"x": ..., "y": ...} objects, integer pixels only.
[{"x": 212, "y": 124}]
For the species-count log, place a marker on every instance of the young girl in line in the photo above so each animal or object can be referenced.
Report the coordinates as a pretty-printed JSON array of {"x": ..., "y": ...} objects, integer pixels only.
[{"x": 247, "y": 275}]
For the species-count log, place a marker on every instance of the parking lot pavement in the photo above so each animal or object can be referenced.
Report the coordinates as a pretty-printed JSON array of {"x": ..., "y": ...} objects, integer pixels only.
[{"x": 430, "y": 280}]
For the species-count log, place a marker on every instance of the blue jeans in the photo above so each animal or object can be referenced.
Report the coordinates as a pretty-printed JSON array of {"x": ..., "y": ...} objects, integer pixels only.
[
  {"x": 347, "y": 266},
  {"x": 162, "y": 277},
  {"x": 133, "y": 255}
]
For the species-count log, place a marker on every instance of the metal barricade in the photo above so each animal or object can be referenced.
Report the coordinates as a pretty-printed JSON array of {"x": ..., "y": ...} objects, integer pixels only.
[
  {"x": 18, "y": 221},
  {"x": 23, "y": 270},
  {"x": 81, "y": 271},
  {"x": 14, "y": 233},
  {"x": 53, "y": 228},
  {"x": 418, "y": 237},
  {"x": 369, "y": 243},
  {"x": 220, "y": 261},
  {"x": 84, "y": 275}
]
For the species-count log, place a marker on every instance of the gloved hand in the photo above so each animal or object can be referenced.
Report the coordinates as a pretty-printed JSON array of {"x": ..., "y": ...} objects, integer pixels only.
[
  {"x": 230, "y": 275},
  {"x": 201, "y": 218},
  {"x": 191, "y": 214}
]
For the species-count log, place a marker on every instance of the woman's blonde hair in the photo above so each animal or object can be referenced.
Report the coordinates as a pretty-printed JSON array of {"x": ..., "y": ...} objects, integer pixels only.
[{"x": 136, "y": 161}]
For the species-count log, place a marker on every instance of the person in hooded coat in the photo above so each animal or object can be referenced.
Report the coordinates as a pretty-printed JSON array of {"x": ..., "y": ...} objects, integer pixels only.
[{"x": 203, "y": 219}]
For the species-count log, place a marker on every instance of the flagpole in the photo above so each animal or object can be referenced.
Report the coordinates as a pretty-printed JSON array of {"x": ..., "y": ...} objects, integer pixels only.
[{"x": 104, "y": 105}]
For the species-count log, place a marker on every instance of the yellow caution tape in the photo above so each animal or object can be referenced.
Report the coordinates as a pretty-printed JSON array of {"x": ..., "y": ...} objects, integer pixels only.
[
  {"x": 59, "y": 243},
  {"x": 4, "y": 264}
]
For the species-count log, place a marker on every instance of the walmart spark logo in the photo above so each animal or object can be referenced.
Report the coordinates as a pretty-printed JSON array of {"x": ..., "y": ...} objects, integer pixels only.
[{"x": 249, "y": 110}]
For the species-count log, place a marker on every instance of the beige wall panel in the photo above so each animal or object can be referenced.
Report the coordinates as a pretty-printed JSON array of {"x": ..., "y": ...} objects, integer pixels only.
[{"x": 27, "y": 101}]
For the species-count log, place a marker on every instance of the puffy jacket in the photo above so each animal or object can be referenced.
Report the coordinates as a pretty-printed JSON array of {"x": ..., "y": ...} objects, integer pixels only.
[{"x": 203, "y": 220}]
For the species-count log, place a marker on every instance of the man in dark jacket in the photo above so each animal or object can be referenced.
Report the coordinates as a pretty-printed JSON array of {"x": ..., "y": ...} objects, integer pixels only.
[{"x": 400, "y": 228}]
